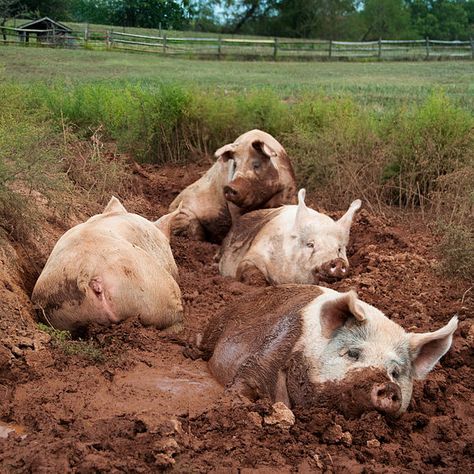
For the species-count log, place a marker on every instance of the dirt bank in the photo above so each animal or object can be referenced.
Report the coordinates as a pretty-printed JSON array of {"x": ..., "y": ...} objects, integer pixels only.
[{"x": 126, "y": 400}]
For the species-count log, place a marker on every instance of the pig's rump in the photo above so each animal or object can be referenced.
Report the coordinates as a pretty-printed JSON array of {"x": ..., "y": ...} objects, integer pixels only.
[{"x": 105, "y": 284}]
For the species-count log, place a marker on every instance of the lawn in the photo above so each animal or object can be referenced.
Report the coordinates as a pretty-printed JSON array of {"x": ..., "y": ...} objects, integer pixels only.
[{"x": 375, "y": 84}]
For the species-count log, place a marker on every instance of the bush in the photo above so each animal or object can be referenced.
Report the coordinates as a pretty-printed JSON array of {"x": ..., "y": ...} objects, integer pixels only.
[
  {"x": 410, "y": 156},
  {"x": 43, "y": 161},
  {"x": 425, "y": 144},
  {"x": 30, "y": 150}
]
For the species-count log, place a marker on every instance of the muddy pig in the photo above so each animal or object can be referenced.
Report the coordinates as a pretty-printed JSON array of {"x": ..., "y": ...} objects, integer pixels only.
[
  {"x": 291, "y": 244},
  {"x": 114, "y": 266},
  {"x": 287, "y": 342},
  {"x": 252, "y": 173}
]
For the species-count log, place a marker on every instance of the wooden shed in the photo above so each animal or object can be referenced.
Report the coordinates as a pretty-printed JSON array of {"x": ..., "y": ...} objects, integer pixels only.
[{"x": 47, "y": 31}]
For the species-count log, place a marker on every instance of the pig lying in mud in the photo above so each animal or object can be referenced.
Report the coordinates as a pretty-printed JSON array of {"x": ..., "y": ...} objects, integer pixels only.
[
  {"x": 252, "y": 173},
  {"x": 114, "y": 266},
  {"x": 291, "y": 244},
  {"x": 290, "y": 343}
]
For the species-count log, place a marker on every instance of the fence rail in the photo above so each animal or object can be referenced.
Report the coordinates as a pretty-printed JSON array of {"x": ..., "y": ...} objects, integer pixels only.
[{"x": 223, "y": 47}]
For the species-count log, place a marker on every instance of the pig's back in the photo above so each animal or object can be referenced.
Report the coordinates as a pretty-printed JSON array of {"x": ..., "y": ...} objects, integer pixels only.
[{"x": 265, "y": 324}]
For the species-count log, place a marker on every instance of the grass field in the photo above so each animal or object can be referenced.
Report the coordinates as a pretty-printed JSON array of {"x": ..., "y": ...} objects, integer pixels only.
[{"x": 378, "y": 84}]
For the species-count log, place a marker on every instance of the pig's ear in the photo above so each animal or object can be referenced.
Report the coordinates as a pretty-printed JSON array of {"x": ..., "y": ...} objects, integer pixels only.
[
  {"x": 345, "y": 308},
  {"x": 427, "y": 348},
  {"x": 114, "y": 205},
  {"x": 263, "y": 149},
  {"x": 302, "y": 211},
  {"x": 226, "y": 152},
  {"x": 346, "y": 220},
  {"x": 165, "y": 223}
]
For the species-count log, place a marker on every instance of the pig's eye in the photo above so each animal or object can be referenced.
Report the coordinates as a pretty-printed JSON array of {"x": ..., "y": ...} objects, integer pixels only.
[
  {"x": 353, "y": 354},
  {"x": 256, "y": 165},
  {"x": 395, "y": 373},
  {"x": 310, "y": 245}
]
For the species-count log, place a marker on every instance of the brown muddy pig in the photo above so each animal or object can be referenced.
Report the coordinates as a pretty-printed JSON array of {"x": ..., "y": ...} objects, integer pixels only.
[
  {"x": 254, "y": 172},
  {"x": 291, "y": 244},
  {"x": 289, "y": 342},
  {"x": 114, "y": 266}
]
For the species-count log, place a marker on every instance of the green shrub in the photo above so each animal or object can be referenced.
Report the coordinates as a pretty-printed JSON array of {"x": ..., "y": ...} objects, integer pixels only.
[
  {"x": 425, "y": 144},
  {"x": 408, "y": 156},
  {"x": 30, "y": 150}
]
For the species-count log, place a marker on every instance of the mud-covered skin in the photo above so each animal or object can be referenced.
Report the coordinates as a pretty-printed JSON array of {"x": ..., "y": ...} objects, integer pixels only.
[
  {"x": 287, "y": 342},
  {"x": 291, "y": 244},
  {"x": 252, "y": 173},
  {"x": 114, "y": 266},
  {"x": 351, "y": 396},
  {"x": 250, "y": 339}
]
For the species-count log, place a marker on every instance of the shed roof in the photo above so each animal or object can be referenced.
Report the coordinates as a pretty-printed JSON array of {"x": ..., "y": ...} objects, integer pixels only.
[{"x": 44, "y": 23}]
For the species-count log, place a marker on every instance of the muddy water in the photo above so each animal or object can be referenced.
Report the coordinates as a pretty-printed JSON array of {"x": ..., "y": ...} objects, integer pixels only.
[{"x": 163, "y": 384}]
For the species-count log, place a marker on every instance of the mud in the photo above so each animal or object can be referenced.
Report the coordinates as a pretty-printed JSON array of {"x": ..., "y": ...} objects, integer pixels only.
[{"x": 124, "y": 399}]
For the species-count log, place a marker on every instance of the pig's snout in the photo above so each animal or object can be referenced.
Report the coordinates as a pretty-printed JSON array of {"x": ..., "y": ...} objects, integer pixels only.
[
  {"x": 387, "y": 398},
  {"x": 337, "y": 269},
  {"x": 230, "y": 193}
]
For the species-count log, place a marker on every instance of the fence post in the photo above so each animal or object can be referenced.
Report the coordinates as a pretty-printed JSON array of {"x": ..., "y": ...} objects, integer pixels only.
[
  {"x": 164, "y": 44},
  {"x": 275, "y": 49},
  {"x": 330, "y": 48},
  {"x": 86, "y": 34},
  {"x": 427, "y": 47},
  {"x": 219, "y": 47},
  {"x": 379, "y": 55},
  {"x": 472, "y": 47}
]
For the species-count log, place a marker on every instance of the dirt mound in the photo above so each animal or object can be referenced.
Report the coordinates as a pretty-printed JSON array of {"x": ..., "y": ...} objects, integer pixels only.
[{"x": 124, "y": 399}]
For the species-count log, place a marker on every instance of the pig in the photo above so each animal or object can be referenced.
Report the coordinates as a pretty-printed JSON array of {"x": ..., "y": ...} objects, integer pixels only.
[
  {"x": 287, "y": 343},
  {"x": 252, "y": 173},
  {"x": 114, "y": 266},
  {"x": 291, "y": 244}
]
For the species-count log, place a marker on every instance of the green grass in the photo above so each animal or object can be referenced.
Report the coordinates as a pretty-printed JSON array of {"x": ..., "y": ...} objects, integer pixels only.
[
  {"x": 376, "y": 84},
  {"x": 63, "y": 340}
]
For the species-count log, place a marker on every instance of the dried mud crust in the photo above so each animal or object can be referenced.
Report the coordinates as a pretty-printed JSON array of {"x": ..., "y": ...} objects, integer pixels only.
[{"x": 143, "y": 407}]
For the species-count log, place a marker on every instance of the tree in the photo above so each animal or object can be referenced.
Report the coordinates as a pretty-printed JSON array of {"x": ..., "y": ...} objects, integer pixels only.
[
  {"x": 238, "y": 13},
  {"x": 202, "y": 15},
  {"x": 386, "y": 18},
  {"x": 142, "y": 13},
  {"x": 148, "y": 13},
  {"x": 8, "y": 8},
  {"x": 92, "y": 11},
  {"x": 442, "y": 19},
  {"x": 325, "y": 19},
  {"x": 56, "y": 9}
]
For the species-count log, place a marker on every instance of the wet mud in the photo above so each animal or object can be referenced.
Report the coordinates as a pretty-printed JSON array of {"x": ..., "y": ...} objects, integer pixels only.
[{"x": 125, "y": 399}]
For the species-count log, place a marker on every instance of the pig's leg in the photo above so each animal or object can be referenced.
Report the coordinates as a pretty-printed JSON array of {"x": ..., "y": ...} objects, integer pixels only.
[
  {"x": 187, "y": 223},
  {"x": 250, "y": 274},
  {"x": 281, "y": 390}
]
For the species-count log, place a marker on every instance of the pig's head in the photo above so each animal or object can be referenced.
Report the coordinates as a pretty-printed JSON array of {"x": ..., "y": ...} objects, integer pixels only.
[
  {"x": 360, "y": 337},
  {"x": 317, "y": 244},
  {"x": 253, "y": 176}
]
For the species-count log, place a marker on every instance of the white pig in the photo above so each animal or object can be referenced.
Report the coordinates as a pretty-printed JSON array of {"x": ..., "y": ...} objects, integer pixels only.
[
  {"x": 291, "y": 244},
  {"x": 113, "y": 266},
  {"x": 289, "y": 342}
]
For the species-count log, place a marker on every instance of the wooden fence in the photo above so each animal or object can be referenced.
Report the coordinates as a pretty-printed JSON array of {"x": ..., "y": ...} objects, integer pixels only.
[{"x": 239, "y": 48}]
